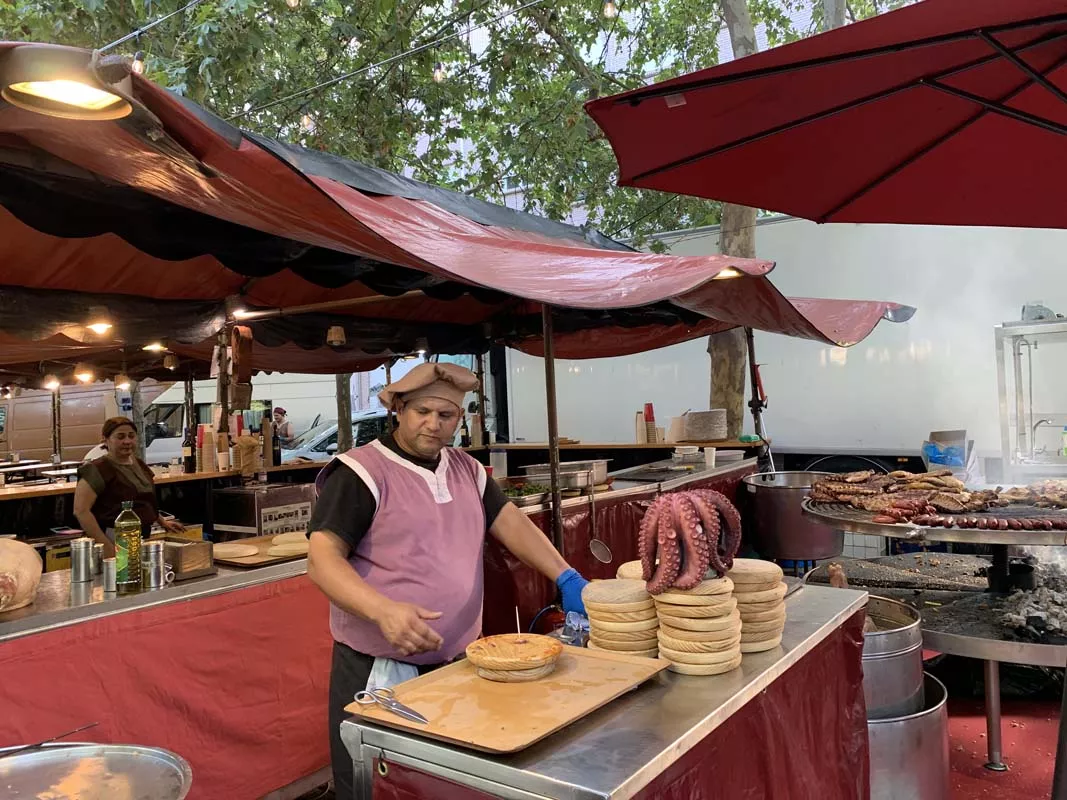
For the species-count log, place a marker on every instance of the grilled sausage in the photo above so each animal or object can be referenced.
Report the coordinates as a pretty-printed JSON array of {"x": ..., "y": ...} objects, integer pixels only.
[{"x": 1027, "y": 525}]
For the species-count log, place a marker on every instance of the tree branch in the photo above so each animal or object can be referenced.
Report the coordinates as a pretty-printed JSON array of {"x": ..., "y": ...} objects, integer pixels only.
[{"x": 594, "y": 82}]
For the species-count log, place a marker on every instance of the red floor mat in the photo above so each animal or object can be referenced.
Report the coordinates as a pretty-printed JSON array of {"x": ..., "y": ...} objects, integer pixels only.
[{"x": 1029, "y": 736}]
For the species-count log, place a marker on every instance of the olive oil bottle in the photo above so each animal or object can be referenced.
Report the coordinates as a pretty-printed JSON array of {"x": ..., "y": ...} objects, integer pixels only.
[{"x": 127, "y": 550}]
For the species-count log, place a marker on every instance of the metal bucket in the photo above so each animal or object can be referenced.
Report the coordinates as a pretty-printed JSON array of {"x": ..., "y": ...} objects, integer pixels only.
[
  {"x": 909, "y": 754},
  {"x": 893, "y": 660},
  {"x": 779, "y": 528}
]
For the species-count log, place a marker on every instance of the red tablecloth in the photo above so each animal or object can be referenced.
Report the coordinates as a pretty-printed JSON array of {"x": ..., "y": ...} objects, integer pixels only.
[{"x": 236, "y": 683}]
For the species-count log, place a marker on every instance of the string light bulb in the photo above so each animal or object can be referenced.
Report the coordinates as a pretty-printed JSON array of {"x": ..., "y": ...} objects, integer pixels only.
[
  {"x": 122, "y": 382},
  {"x": 307, "y": 123},
  {"x": 439, "y": 73},
  {"x": 84, "y": 373},
  {"x": 137, "y": 66},
  {"x": 170, "y": 361},
  {"x": 729, "y": 272},
  {"x": 293, "y": 4},
  {"x": 335, "y": 336},
  {"x": 50, "y": 382},
  {"x": 155, "y": 347},
  {"x": 610, "y": 9},
  {"x": 99, "y": 320}
]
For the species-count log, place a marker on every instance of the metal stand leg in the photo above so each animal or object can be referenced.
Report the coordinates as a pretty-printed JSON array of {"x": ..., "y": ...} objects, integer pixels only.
[
  {"x": 1059, "y": 775},
  {"x": 992, "y": 716}
]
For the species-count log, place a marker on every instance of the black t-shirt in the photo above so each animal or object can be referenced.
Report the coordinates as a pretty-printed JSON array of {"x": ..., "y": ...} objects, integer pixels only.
[{"x": 346, "y": 507}]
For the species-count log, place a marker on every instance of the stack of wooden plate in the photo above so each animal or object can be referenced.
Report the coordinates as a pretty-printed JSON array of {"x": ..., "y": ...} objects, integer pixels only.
[
  {"x": 622, "y": 617},
  {"x": 631, "y": 570},
  {"x": 514, "y": 657},
  {"x": 760, "y": 596},
  {"x": 699, "y": 628}
]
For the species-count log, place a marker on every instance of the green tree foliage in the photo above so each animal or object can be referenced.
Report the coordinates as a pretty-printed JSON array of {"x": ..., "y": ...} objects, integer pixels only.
[{"x": 513, "y": 90}]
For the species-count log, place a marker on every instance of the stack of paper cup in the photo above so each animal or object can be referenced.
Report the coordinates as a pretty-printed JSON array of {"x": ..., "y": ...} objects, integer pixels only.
[{"x": 760, "y": 595}]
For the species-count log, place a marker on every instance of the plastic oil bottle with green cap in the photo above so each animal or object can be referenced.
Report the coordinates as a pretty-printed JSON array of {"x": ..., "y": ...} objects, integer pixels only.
[{"x": 127, "y": 550}]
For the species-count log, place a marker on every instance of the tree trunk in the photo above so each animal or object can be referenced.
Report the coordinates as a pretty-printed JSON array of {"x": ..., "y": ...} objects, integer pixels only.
[
  {"x": 737, "y": 238},
  {"x": 344, "y": 412},
  {"x": 833, "y": 14}
]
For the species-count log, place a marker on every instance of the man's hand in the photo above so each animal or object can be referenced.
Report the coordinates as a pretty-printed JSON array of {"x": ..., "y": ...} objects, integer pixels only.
[
  {"x": 403, "y": 626},
  {"x": 172, "y": 525}
]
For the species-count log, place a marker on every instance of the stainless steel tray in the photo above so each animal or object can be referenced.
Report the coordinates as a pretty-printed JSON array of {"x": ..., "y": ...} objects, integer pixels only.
[
  {"x": 529, "y": 500},
  {"x": 95, "y": 772},
  {"x": 846, "y": 518}
]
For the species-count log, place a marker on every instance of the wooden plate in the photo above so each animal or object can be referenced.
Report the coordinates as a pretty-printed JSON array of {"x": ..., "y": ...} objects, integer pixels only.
[
  {"x": 619, "y": 616},
  {"x": 772, "y": 615},
  {"x": 293, "y": 537},
  {"x": 715, "y": 586},
  {"x": 510, "y": 651},
  {"x": 624, "y": 647},
  {"x": 619, "y": 608},
  {"x": 678, "y": 599},
  {"x": 760, "y": 647},
  {"x": 689, "y": 646},
  {"x": 631, "y": 570},
  {"x": 686, "y": 624},
  {"x": 516, "y": 675},
  {"x": 614, "y": 591},
  {"x": 650, "y": 653},
  {"x": 723, "y": 609},
  {"x": 777, "y": 593},
  {"x": 705, "y": 669},
  {"x": 754, "y": 570},
  {"x": 700, "y": 636},
  {"x": 679, "y": 657}
]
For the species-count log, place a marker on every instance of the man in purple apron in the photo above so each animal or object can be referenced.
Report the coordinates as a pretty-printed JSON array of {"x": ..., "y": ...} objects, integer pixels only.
[{"x": 396, "y": 544}]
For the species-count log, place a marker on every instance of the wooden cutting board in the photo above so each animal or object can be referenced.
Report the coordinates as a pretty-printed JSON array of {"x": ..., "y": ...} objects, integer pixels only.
[
  {"x": 491, "y": 717},
  {"x": 261, "y": 559}
]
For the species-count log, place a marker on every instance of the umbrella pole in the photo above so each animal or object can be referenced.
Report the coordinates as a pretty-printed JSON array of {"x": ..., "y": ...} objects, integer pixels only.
[
  {"x": 553, "y": 427},
  {"x": 484, "y": 432},
  {"x": 344, "y": 411},
  {"x": 388, "y": 411},
  {"x": 57, "y": 425},
  {"x": 756, "y": 405}
]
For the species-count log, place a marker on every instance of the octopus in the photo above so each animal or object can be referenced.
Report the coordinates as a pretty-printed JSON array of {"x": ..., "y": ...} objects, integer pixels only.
[{"x": 688, "y": 533}]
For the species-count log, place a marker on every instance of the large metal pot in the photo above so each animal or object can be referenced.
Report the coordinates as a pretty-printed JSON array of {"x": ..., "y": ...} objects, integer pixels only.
[
  {"x": 779, "y": 528},
  {"x": 893, "y": 660},
  {"x": 909, "y": 754}
]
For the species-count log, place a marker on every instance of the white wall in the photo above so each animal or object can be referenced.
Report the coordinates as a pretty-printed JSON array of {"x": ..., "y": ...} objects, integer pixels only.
[{"x": 935, "y": 372}]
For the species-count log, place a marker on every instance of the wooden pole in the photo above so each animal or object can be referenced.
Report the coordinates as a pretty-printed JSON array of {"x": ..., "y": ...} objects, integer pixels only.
[
  {"x": 57, "y": 424},
  {"x": 553, "y": 427},
  {"x": 344, "y": 412},
  {"x": 137, "y": 412},
  {"x": 480, "y": 364}
]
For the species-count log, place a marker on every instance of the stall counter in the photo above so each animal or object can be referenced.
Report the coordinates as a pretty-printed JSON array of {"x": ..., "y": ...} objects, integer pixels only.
[{"x": 793, "y": 717}]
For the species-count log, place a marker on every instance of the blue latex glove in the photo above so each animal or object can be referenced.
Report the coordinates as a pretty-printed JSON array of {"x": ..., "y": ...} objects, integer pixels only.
[{"x": 570, "y": 585}]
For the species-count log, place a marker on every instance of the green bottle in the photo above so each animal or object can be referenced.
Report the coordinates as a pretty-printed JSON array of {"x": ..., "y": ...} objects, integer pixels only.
[{"x": 127, "y": 550}]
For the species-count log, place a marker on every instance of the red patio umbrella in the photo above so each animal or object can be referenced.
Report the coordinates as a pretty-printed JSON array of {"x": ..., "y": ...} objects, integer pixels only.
[{"x": 949, "y": 112}]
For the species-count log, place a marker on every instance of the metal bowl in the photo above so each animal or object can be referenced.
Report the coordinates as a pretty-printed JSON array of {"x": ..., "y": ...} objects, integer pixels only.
[{"x": 83, "y": 771}]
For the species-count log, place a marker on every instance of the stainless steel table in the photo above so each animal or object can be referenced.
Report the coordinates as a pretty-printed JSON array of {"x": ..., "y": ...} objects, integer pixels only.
[{"x": 621, "y": 748}]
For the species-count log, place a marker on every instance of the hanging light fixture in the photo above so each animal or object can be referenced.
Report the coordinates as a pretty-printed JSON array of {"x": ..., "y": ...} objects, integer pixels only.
[
  {"x": 122, "y": 382},
  {"x": 335, "y": 336},
  {"x": 137, "y": 65},
  {"x": 155, "y": 347},
  {"x": 422, "y": 346},
  {"x": 65, "y": 82},
  {"x": 170, "y": 361},
  {"x": 99, "y": 320},
  {"x": 439, "y": 73},
  {"x": 610, "y": 9},
  {"x": 84, "y": 373},
  {"x": 729, "y": 272},
  {"x": 50, "y": 382}
]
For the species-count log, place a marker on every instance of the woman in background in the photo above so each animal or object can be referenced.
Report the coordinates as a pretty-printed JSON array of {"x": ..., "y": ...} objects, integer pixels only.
[{"x": 116, "y": 477}]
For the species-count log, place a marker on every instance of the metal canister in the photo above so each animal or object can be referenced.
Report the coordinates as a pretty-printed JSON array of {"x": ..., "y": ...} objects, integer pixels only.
[
  {"x": 155, "y": 573},
  {"x": 110, "y": 575},
  {"x": 98, "y": 558},
  {"x": 81, "y": 560}
]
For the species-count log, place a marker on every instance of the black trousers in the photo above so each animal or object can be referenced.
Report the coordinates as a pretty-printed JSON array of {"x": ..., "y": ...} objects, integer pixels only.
[{"x": 349, "y": 673}]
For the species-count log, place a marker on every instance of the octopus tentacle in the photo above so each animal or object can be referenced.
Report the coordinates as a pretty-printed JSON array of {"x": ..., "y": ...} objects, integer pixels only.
[
  {"x": 670, "y": 555},
  {"x": 731, "y": 520},
  {"x": 697, "y": 545},
  {"x": 709, "y": 519},
  {"x": 646, "y": 539}
]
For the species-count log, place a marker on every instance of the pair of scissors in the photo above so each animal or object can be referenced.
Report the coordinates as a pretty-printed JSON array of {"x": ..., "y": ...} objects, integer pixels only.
[{"x": 385, "y": 698}]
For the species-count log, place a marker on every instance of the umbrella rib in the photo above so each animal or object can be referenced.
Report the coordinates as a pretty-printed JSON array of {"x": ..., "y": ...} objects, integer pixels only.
[
  {"x": 638, "y": 96},
  {"x": 1035, "y": 76},
  {"x": 819, "y": 115},
  {"x": 998, "y": 108},
  {"x": 928, "y": 147}
]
